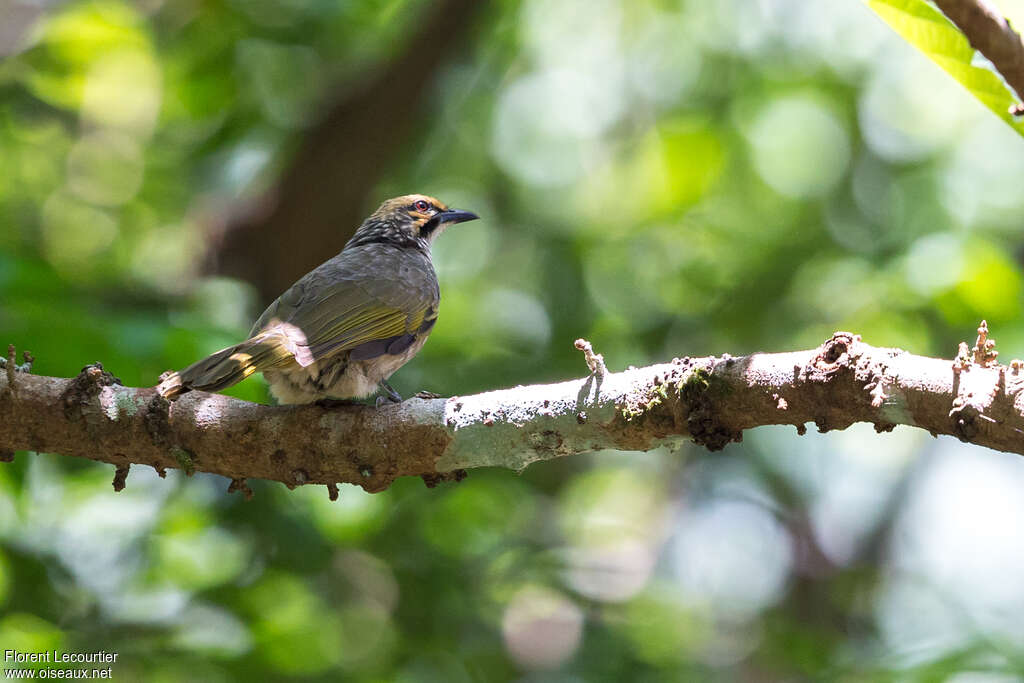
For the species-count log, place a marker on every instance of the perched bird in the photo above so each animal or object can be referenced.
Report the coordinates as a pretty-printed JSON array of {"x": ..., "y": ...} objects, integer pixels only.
[{"x": 345, "y": 327}]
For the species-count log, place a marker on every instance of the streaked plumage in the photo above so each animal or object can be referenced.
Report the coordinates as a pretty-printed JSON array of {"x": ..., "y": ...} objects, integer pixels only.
[{"x": 346, "y": 326}]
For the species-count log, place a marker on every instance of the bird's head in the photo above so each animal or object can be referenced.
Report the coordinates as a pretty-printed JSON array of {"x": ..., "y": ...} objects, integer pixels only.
[{"x": 413, "y": 220}]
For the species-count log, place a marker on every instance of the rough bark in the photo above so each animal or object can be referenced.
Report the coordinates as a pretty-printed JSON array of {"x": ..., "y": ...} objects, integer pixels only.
[
  {"x": 991, "y": 35},
  {"x": 710, "y": 400}
]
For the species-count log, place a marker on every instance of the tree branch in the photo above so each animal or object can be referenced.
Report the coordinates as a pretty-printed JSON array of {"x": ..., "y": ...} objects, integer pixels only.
[
  {"x": 991, "y": 35},
  {"x": 710, "y": 400}
]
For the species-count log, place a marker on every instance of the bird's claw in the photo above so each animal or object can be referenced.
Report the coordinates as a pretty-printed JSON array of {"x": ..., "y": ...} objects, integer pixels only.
[{"x": 389, "y": 394}]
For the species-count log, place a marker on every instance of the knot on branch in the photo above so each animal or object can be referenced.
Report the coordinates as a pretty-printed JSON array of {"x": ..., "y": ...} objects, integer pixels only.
[
  {"x": 698, "y": 393},
  {"x": 689, "y": 399},
  {"x": 965, "y": 417},
  {"x": 835, "y": 354},
  {"x": 85, "y": 387},
  {"x": 157, "y": 420}
]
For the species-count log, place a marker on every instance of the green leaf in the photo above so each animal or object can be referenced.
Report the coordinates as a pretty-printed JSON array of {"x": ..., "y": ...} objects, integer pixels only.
[{"x": 925, "y": 27}]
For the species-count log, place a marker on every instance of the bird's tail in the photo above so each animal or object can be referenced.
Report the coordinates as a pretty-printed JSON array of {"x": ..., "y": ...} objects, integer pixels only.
[{"x": 271, "y": 348}]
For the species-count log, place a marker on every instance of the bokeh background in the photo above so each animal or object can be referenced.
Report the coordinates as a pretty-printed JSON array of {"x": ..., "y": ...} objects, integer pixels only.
[{"x": 663, "y": 177}]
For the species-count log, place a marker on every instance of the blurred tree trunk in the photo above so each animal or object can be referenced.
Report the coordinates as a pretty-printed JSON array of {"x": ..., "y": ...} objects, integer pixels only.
[{"x": 320, "y": 199}]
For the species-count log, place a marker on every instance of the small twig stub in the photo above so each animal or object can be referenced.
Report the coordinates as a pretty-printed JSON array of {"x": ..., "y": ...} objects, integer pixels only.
[
  {"x": 120, "y": 476},
  {"x": 595, "y": 361},
  {"x": 984, "y": 348},
  {"x": 242, "y": 486}
]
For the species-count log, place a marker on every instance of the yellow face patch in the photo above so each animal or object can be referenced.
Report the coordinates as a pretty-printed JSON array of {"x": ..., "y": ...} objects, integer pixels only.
[
  {"x": 422, "y": 208},
  {"x": 407, "y": 214}
]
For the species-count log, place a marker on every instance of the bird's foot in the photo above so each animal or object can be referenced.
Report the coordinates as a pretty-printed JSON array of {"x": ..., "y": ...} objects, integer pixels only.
[
  {"x": 389, "y": 394},
  {"x": 426, "y": 394}
]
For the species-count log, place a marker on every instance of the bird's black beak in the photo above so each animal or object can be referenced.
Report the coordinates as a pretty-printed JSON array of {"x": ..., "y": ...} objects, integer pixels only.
[{"x": 455, "y": 216}]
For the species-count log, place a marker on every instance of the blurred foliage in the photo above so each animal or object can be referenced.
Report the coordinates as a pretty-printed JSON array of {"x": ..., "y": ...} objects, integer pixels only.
[
  {"x": 663, "y": 177},
  {"x": 925, "y": 27}
]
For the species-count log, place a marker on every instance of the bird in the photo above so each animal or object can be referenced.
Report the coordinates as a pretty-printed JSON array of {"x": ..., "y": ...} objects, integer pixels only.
[{"x": 345, "y": 327}]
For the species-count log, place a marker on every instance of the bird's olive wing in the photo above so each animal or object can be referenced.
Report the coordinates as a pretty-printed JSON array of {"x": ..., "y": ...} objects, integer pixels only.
[{"x": 365, "y": 296}]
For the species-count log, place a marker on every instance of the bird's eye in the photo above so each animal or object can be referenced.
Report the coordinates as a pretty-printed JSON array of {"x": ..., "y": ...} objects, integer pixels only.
[{"x": 421, "y": 206}]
